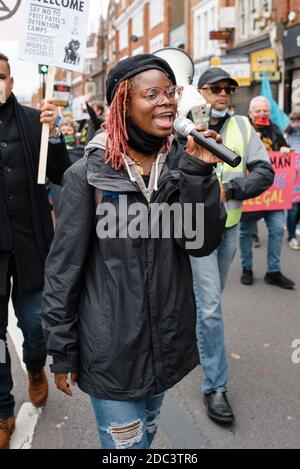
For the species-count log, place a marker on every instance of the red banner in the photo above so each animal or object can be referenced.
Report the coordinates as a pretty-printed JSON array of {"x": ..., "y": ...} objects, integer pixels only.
[
  {"x": 280, "y": 195},
  {"x": 297, "y": 180}
]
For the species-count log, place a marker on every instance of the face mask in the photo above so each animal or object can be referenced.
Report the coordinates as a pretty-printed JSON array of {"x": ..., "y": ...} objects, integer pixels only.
[
  {"x": 2, "y": 92},
  {"x": 219, "y": 114},
  {"x": 262, "y": 121},
  {"x": 69, "y": 139},
  {"x": 296, "y": 128}
]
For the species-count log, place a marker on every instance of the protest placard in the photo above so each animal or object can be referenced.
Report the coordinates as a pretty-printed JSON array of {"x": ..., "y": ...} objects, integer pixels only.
[
  {"x": 79, "y": 109},
  {"x": 280, "y": 195},
  {"x": 11, "y": 19},
  {"x": 62, "y": 94},
  {"x": 55, "y": 33}
]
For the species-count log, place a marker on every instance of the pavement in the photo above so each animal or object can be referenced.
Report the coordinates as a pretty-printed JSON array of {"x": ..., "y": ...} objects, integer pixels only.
[{"x": 261, "y": 323}]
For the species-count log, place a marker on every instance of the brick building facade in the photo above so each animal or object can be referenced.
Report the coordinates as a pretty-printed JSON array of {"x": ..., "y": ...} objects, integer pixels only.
[
  {"x": 259, "y": 27},
  {"x": 141, "y": 26}
]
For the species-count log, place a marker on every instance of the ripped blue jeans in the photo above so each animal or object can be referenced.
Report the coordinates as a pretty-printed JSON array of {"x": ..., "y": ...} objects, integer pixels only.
[{"x": 127, "y": 424}]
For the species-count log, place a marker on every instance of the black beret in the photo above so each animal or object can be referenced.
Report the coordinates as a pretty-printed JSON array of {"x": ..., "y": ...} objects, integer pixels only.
[{"x": 132, "y": 66}]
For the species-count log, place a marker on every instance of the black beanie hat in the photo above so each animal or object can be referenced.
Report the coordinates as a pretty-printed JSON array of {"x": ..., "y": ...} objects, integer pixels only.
[{"x": 132, "y": 66}]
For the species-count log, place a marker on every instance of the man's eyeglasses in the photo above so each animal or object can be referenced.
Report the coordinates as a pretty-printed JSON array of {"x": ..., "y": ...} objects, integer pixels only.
[
  {"x": 155, "y": 96},
  {"x": 229, "y": 90}
]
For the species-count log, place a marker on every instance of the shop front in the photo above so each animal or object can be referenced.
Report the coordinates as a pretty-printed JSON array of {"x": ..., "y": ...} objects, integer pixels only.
[{"x": 291, "y": 44}]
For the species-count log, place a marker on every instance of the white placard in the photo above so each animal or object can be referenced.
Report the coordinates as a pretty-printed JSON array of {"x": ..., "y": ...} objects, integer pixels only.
[
  {"x": 55, "y": 33},
  {"x": 77, "y": 109},
  {"x": 11, "y": 19}
]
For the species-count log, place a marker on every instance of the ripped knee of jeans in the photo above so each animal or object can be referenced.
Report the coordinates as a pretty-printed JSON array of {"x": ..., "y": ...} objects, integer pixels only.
[{"x": 126, "y": 436}]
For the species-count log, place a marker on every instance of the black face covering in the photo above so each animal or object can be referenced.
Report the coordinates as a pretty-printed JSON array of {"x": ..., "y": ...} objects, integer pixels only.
[{"x": 142, "y": 141}]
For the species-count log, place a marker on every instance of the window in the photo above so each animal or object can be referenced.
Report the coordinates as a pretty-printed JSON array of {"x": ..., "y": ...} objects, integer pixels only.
[
  {"x": 156, "y": 12},
  {"x": 267, "y": 5},
  {"x": 243, "y": 18},
  {"x": 124, "y": 37},
  {"x": 138, "y": 23},
  {"x": 139, "y": 50},
  {"x": 205, "y": 21},
  {"x": 250, "y": 12},
  {"x": 253, "y": 12},
  {"x": 156, "y": 43}
]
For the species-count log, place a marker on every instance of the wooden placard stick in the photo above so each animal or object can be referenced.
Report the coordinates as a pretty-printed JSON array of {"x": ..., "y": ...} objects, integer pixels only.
[{"x": 46, "y": 129}]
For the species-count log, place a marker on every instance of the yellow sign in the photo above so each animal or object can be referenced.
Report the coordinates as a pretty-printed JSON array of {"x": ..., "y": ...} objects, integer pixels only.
[
  {"x": 216, "y": 62},
  {"x": 238, "y": 68},
  {"x": 244, "y": 81},
  {"x": 264, "y": 60},
  {"x": 274, "y": 77}
]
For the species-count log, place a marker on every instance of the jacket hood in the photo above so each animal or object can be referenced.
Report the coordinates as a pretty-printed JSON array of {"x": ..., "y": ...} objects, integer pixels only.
[
  {"x": 98, "y": 142},
  {"x": 128, "y": 179}
]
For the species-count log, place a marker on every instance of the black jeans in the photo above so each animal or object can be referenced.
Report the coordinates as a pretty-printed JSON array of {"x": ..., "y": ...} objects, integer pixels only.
[{"x": 28, "y": 312}]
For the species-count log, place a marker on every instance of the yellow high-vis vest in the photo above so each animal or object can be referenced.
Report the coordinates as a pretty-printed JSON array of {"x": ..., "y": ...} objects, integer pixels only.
[{"x": 236, "y": 135}]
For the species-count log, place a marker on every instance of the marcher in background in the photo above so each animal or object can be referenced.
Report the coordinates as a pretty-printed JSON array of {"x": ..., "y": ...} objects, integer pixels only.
[
  {"x": 96, "y": 111},
  {"x": 252, "y": 177},
  {"x": 75, "y": 148},
  {"x": 293, "y": 219},
  {"x": 293, "y": 138},
  {"x": 123, "y": 325},
  {"x": 83, "y": 127},
  {"x": 269, "y": 133},
  {"x": 259, "y": 113},
  {"x": 293, "y": 132},
  {"x": 26, "y": 233}
]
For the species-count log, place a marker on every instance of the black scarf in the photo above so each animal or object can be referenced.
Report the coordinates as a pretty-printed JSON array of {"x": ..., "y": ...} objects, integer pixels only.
[{"x": 142, "y": 141}]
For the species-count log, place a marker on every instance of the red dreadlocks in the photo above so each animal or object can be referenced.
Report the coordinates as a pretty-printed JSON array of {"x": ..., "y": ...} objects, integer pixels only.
[{"x": 117, "y": 142}]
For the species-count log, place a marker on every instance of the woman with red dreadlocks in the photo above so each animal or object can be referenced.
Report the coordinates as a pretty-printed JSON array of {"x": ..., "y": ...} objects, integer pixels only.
[{"x": 119, "y": 309}]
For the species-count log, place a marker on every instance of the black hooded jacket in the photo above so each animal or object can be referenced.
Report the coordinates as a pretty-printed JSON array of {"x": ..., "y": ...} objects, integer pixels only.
[
  {"x": 121, "y": 312},
  {"x": 26, "y": 225}
]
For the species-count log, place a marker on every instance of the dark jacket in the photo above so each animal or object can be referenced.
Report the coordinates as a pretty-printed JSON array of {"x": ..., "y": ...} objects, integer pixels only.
[
  {"x": 272, "y": 137},
  {"x": 257, "y": 175},
  {"x": 273, "y": 140},
  {"x": 121, "y": 312},
  {"x": 38, "y": 228},
  {"x": 94, "y": 123}
]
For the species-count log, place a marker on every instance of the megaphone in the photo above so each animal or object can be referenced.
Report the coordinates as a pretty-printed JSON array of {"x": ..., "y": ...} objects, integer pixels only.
[{"x": 192, "y": 104}]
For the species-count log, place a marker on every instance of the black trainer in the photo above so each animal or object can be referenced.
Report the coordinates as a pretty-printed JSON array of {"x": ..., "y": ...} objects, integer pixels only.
[
  {"x": 247, "y": 277},
  {"x": 218, "y": 407},
  {"x": 279, "y": 280}
]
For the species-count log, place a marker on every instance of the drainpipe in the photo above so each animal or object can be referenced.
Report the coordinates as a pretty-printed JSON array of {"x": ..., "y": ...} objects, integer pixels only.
[{"x": 276, "y": 38}]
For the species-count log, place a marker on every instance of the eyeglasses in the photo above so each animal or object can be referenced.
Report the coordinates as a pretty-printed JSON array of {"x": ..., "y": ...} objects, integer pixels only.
[
  {"x": 229, "y": 90},
  {"x": 155, "y": 96}
]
